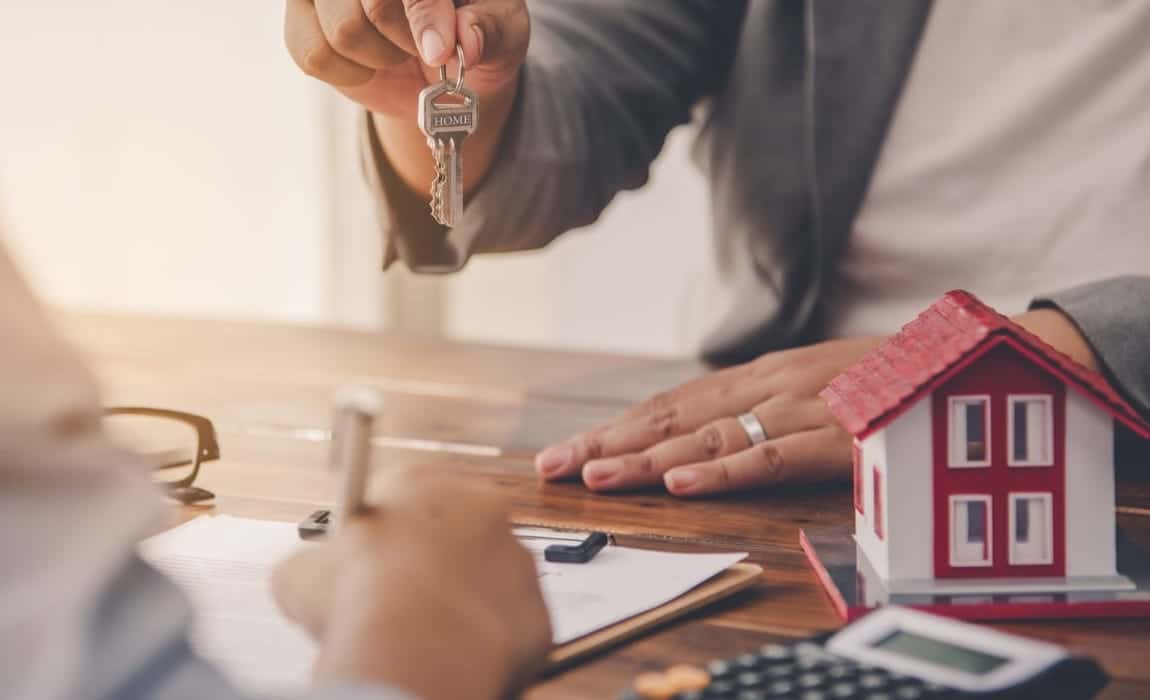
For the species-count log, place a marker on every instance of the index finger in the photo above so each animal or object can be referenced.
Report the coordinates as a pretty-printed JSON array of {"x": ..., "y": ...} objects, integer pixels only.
[
  {"x": 310, "y": 49},
  {"x": 353, "y": 36}
]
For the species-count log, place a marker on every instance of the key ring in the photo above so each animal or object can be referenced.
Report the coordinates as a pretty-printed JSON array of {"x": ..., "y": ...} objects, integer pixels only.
[{"x": 462, "y": 70}]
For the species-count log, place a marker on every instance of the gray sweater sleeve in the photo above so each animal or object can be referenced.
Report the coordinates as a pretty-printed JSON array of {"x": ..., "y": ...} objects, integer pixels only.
[
  {"x": 604, "y": 82},
  {"x": 1114, "y": 316}
]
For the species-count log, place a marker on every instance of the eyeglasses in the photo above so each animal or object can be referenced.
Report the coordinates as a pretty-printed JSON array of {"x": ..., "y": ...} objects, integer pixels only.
[{"x": 174, "y": 444}]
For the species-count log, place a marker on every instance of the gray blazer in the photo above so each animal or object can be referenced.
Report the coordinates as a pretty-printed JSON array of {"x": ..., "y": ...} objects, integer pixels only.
[{"x": 795, "y": 99}]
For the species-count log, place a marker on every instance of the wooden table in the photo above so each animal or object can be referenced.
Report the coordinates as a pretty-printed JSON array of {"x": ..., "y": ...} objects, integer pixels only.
[{"x": 482, "y": 412}]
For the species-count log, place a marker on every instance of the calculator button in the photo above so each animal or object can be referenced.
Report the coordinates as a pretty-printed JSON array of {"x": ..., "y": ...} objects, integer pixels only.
[
  {"x": 749, "y": 679},
  {"x": 811, "y": 680},
  {"x": 814, "y": 695},
  {"x": 909, "y": 692},
  {"x": 781, "y": 687},
  {"x": 778, "y": 670},
  {"x": 747, "y": 661},
  {"x": 776, "y": 652},
  {"x": 808, "y": 663},
  {"x": 718, "y": 668},
  {"x": 844, "y": 690},
  {"x": 879, "y": 696},
  {"x": 721, "y": 688},
  {"x": 840, "y": 671},
  {"x": 692, "y": 695},
  {"x": 754, "y": 694},
  {"x": 872, "y": 681}
]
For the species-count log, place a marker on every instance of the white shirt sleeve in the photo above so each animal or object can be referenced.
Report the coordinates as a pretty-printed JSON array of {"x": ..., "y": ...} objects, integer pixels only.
[{"x": 82, "y": 615}]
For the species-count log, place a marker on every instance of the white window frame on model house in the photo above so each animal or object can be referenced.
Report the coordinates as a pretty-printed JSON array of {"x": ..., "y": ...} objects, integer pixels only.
[
  {"x": 956, "y": 428},
  {"x": 960, "y": 547},
  {"x": 1043, "y": 422},
  {"x": 1021, "y": 553}
]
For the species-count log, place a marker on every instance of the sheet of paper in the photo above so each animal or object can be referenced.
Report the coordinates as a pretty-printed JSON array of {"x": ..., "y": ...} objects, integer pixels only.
[{"x": 223, "y": 563}]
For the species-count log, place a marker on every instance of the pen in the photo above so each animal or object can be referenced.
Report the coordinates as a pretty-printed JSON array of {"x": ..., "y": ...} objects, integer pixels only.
[{"x": 356, "y": 408}]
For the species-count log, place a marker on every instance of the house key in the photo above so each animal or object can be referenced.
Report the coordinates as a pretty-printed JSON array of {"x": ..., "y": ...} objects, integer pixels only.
[{"x": 446, "y": 125}]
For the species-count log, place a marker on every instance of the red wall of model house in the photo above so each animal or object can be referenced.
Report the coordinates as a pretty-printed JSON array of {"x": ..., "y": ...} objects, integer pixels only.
[{"x": 1000, "y": 372}]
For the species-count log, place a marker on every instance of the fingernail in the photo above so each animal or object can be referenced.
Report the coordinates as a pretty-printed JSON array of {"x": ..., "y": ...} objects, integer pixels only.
[
  {"x": 431, "y": 44},
  {"x": 602, "y": 472},
  {"x": 552, "y": 459},
  {"x": 681, "y": 480},
  {"x": 478, "y": 42}
]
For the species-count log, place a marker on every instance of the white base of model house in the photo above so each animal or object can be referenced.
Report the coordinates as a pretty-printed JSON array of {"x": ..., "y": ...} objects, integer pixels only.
[
  {"x": 1012, "y": 586},
  {"x": 855, "y": 588}
]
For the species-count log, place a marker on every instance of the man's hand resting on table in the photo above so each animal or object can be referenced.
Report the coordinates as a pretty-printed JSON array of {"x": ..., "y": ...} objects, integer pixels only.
[
  {"x": 430, "y": 593},
  {"x": 690, "y": 439}
]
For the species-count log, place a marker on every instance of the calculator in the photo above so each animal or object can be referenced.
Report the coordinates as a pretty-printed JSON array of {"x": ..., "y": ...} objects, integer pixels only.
[{"x": 891, "y": 654}]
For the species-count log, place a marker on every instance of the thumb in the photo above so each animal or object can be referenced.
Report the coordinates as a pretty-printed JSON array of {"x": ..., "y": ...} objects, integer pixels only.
[{"x": 433, "y": 28}]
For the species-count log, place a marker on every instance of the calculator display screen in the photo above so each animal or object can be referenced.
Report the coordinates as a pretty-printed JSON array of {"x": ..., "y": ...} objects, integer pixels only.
[{"x": 940, "y": 653}]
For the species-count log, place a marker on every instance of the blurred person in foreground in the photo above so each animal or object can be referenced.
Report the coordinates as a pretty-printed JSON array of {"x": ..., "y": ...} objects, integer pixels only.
[
  {"x": 864, "y": 157},
  {"x": 413, "y": 602}
]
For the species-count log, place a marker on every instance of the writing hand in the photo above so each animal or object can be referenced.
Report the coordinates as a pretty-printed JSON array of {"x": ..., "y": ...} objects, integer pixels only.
[{"x": 430, "y": 593}]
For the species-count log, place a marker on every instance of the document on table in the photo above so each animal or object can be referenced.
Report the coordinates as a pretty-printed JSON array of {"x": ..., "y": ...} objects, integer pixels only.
[{"x": 224, "y": 563}]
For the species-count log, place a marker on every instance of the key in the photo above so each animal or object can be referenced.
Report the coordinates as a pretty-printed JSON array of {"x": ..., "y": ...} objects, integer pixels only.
[
  {"x": 451, "y": 190},
  {"x": 437, "y": 152},
  {"x": 446, "y": 125}
]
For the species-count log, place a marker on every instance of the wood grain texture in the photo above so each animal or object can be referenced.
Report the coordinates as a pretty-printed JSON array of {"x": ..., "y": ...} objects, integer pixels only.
[{"x": 481, "y": 412}]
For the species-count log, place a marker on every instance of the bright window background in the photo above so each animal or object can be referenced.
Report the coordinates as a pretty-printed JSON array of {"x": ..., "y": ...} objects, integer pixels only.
[{"x": 168, "y": 157}]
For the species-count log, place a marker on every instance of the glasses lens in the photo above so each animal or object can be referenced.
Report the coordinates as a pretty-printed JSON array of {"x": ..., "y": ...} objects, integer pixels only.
[{"x": 166, "y": 445}]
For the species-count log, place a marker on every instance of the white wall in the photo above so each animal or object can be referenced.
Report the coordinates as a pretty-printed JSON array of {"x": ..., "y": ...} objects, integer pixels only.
[
  {"x": 902, "y": 454},
  {"x": 1090, "y": 519},
  {"x": 169, "y": 157},
  {"x": 910, "y": 488},
  {"x": 166, "y": 157},
  {"x": 874, "y": 456},
  {"x": 618, "y": 284}
]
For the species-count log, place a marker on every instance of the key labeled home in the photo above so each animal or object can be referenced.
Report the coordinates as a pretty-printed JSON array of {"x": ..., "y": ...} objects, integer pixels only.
[{"x": 983, "y": 458}]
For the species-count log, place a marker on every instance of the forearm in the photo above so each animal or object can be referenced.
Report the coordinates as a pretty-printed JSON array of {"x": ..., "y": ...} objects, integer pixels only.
[
  {"x": 406, "y": 149},
  {"x": 1112, "y": 318},
  {"x": 603, "y": 83},
  {"x": 1059, "y": 330}
]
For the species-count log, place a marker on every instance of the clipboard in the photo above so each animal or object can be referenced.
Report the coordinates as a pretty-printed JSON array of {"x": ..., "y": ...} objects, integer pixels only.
[{"x": 735, "y": 579}]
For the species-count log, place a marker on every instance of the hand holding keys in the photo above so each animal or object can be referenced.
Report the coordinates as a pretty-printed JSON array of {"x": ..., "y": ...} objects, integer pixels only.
[{"x": 446, "y": 125}]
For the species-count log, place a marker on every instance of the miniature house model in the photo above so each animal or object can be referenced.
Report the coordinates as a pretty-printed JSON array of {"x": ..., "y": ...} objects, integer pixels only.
[{"x": 983, "y": 458}]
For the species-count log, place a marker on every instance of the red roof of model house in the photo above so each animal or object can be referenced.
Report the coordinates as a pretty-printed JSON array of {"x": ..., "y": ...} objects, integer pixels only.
[{"x": 955, "y": 331}]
